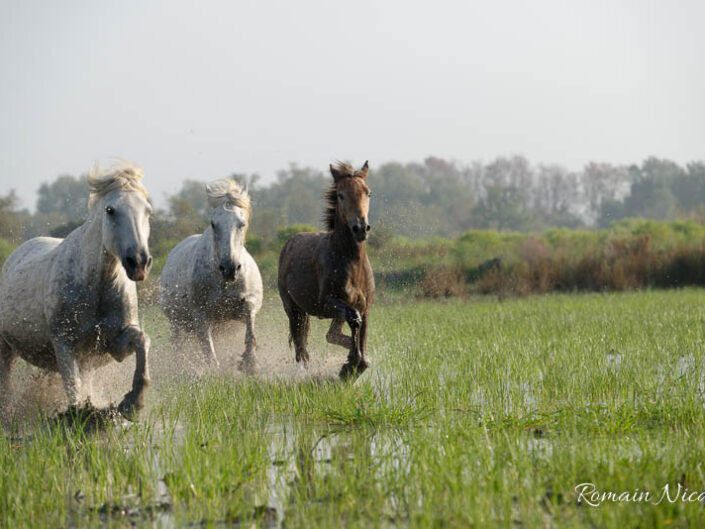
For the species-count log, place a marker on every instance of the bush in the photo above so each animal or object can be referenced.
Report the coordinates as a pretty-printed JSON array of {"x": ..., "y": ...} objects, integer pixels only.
[
  {"x": 253, "y": 243},
  {"x": 442, "y": 281},
  {"x": 284, "y": 233},
  {"x": 6, "y": 248}
]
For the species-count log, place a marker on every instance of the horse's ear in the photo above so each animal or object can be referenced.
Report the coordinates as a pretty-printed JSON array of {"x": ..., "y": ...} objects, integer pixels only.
[
  {"x": 363, "y": 170},
  {"x": 337, "y": 175}
]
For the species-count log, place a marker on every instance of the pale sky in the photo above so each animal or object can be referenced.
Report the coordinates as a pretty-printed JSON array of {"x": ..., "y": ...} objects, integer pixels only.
[{"x": 202, "y": 89}]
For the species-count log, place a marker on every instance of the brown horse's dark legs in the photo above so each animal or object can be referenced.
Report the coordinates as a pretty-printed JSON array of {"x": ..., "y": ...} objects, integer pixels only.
[
  {"x": 362, "y": 362},
  {"x": 357, "y": 363},
  {"x": 336, "y": 309},
  {"x": 335, "y": 334}
]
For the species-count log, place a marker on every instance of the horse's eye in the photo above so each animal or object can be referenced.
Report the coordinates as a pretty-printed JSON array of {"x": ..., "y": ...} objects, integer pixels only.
[
  {"x": 109, "y": 210},
  {"x": 340, "y": 196}
]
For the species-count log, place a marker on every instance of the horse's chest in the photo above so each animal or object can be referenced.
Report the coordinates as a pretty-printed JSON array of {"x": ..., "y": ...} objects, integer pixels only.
[
  {"x": 355, "y": 293},
  {"x": 228, "y": 303},
  {"x": 90, "y": 317}
]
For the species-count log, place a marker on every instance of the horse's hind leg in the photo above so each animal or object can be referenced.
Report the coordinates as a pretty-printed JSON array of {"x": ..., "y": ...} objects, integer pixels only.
[
  {"x": 7, "y": 361},
  {"x": 335, "y": 334}
]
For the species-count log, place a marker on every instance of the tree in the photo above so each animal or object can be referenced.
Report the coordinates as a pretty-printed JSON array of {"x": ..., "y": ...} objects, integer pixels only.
[
  {"x": 689, "y": 187},
  {"x": 602, "y": 181},
  {"x": 651, "y": 194},
  {"x": 67, "y": 195},
  {"x": 10, "y": 225},
  {"x": 502, "y": 209}
]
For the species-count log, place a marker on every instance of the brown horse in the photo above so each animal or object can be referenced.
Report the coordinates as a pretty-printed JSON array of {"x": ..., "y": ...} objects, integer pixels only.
[{"x": 327, "y": 274}]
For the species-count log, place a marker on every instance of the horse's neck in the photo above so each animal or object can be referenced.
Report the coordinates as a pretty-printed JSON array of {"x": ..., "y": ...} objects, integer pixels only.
[
  {"x": 96, "y": 265},
  {"x": 344, "y": 244},
  {"x": 207, "y": 249}
]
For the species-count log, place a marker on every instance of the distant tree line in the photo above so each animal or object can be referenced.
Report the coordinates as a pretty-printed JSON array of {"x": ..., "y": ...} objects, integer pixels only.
[{"x": 435, "y": 198}]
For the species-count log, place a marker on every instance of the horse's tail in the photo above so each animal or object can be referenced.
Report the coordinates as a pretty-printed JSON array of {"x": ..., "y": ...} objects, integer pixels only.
[{"x": 299, "y": 324}]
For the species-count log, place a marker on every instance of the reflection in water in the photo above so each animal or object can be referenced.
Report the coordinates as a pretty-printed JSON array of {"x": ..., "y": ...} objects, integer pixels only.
[{"x": 309, "y": 465}]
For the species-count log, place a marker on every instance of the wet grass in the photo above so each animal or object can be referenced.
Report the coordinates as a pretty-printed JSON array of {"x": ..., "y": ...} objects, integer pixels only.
[{"x": 474, "y": 414}]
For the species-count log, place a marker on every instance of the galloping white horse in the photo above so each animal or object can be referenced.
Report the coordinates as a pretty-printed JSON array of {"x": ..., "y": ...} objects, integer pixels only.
[
  {"x": 211, "y": 278},
  {"x": 69, "y": 304}
]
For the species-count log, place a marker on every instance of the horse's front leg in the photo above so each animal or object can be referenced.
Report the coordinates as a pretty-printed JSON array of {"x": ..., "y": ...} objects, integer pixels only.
[
  {"x": 362, "y": 362},
  {"x": 335, "y": 334},
  {"x": 340, "y": 310},
  {"x": 203, "y": 333},
  {"x": 247, "y": 363},
  {"x": 68, "y": 369},
  {"x": 131, "y": 339}
]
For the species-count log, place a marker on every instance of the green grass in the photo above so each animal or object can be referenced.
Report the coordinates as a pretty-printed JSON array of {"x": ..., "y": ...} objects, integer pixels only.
[{"x": 474, "y": 414}]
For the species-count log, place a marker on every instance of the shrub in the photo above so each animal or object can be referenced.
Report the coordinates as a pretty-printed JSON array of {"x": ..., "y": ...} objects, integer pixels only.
[
  {"x": 285, "y": 232},
  {"x": 6, "y": 248},
  {"x": 442, "y": 281}
]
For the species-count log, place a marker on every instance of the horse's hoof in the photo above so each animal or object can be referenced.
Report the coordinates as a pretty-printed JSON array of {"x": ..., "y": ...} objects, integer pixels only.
[
  {"x": 129, "y": 409},
  {"x": 348, "y": 372},
  {"x": 247, "y": 365}
]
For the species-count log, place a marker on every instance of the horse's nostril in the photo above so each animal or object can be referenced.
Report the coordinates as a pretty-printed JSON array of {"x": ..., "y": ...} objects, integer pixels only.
[
  {"x": 368, "y": 228},
  {"x": 149, "y": 261},
  {"x": 221, "y": 268},
  {"x": 356, "y": 228},
  {"x": 238, "y": 267},
  {"x": 131, "y": 262}
]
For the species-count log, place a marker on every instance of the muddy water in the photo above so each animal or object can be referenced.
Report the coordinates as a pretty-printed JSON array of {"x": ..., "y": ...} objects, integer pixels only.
[{"x": 35, "y": 389}]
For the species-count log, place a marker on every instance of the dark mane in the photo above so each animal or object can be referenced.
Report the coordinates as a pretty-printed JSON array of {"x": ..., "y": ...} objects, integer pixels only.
[{"x": 331, "y": 194}]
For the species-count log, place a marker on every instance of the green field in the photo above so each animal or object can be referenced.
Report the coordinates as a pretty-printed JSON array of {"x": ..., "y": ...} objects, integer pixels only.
[{"x": 475, "y": 413}]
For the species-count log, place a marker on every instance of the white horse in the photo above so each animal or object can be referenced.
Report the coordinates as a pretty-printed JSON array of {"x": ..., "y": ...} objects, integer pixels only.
[
  {"x": 211, "y": 278},
  {"x": 69, "y": 304}
]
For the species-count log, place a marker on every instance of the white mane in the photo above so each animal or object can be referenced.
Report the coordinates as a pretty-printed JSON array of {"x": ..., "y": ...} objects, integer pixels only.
[
  {"x": 123, "y": 176},
  {"x": 227, "y": 191}
]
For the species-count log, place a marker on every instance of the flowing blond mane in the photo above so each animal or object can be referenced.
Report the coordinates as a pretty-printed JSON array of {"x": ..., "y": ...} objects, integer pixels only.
[
  {"x": 227, "y": 191},
  {"x": 123, "y": 176}
]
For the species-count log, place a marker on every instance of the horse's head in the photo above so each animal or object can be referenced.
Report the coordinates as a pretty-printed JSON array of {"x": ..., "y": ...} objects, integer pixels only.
[
  {"x": 228, "y": 226},
  {"x": 126, "y": 231},
  {"x": 352, "y": 198},
  {"x": 231, "y": 212},
  {"x": 119, "y": 201}
]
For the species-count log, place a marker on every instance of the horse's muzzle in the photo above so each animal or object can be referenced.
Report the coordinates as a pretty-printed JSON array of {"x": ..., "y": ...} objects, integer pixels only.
[
  {"x": 229, "y": 270},
  {"x": 137, "y": 266},
  {"x": 360, "y": 230}
]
